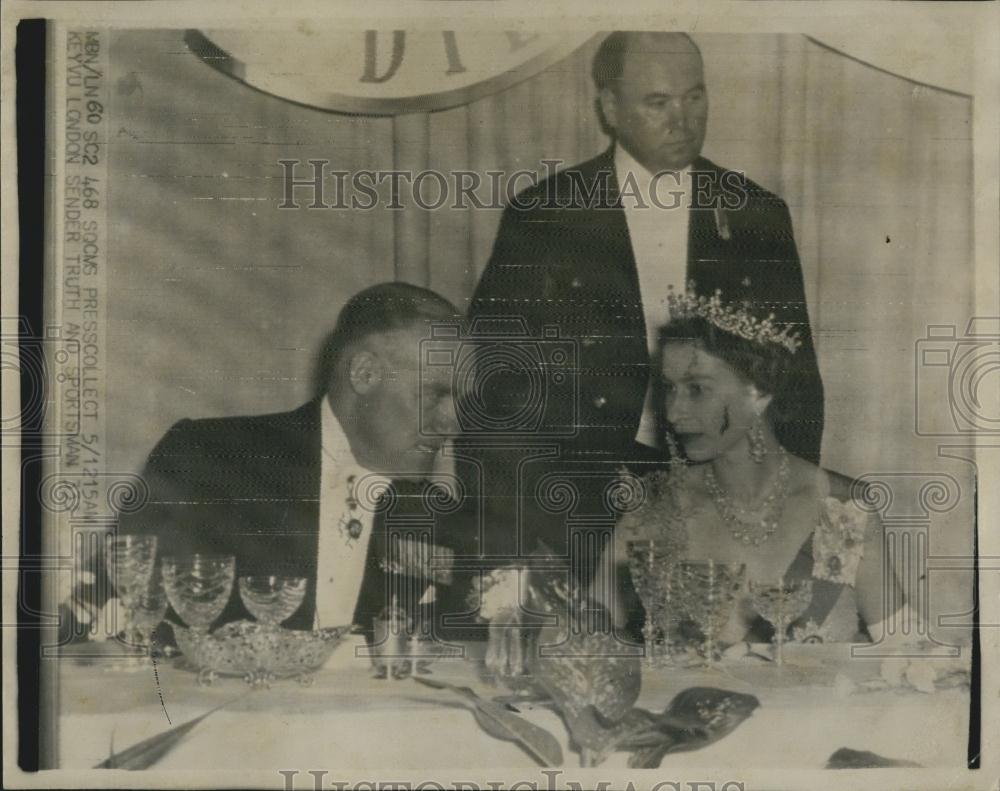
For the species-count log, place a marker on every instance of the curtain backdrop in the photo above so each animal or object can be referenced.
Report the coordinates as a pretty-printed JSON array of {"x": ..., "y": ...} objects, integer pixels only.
[{"x": 219, "y": 299}]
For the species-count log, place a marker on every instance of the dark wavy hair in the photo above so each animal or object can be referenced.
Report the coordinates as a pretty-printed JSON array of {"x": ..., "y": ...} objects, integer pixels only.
[{"x": 770, "y": 367}]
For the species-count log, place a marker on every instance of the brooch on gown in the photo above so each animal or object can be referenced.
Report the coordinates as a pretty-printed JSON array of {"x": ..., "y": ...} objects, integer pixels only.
[{"x": 839, "y": 541}]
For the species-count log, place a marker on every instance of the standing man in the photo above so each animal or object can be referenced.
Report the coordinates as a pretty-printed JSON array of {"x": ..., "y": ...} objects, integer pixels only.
[{"x": 596, "y": 248}]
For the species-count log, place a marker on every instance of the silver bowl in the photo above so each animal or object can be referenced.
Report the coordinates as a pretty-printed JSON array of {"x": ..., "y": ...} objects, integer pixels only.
[{"x": 256, "y": 653}]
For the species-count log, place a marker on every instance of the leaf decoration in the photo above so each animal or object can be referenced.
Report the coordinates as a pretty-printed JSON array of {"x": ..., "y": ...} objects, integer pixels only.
[
  {"x": 846, "y": 758},
  {"x": 581, "y": 667},
  {"x": 530, "y": 696},
  {"x": 595, "y": 737},
  {"x": 588, "y": 730},
  {"x": 695, "y": 718},
  {"x": 592, "y": 685},
  {"x": 147, "y": 752},
  {"x": 652, "y": 756},
  {"x": 716, "y": 711},
  {"x": 503, "y": 724},
  {"x": 492, "y": 726},
  {"x": 642, "y": 729}
]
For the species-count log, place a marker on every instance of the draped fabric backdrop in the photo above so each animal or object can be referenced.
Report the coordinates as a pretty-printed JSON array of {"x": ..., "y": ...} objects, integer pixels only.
[{"x": 219, "y": 298}]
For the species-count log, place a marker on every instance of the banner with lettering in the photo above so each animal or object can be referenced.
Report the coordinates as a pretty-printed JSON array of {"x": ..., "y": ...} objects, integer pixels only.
[{"x": 381, "y": 72}]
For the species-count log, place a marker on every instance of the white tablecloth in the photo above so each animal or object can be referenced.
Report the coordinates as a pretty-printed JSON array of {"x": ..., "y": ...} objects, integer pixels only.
[{"x": 353, "y": 722}]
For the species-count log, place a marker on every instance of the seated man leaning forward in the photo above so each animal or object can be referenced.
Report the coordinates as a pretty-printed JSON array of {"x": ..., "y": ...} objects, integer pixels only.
[{"x": 335, "y": 492}]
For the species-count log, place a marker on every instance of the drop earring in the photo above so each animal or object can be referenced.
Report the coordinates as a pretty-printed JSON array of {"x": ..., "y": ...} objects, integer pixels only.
[{"x": 755, "y": 437}]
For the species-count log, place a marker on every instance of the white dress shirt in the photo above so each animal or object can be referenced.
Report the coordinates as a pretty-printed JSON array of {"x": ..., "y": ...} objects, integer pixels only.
[
  {"x": 340, "y": 566},
  {"x": 658, "y": 230}
]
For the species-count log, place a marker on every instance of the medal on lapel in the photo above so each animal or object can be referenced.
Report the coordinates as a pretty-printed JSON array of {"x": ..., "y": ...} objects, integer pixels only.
[
  {"x": 722, "y": 224},
  {"x": 350, "y": 526}
]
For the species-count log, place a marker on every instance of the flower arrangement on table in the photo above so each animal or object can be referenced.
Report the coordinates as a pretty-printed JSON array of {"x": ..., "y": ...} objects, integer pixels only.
[{"x": 921, "y": 671}]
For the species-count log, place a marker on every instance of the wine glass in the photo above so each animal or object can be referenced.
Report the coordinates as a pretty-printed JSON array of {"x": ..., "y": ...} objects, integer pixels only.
[
  {"x": 198, "y": 587},
  {"x": 780, "y": 603},
  {"x": 706, "y": 590},
  {"x": 130, "y": 563},
  {"x": 651, "y": 565},
  {"x": 151, "y": 606},
  {"x": 272, "y": 599}
]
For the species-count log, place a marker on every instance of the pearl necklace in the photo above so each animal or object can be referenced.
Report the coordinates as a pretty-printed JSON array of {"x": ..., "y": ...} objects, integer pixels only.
[{"x": 743, "y": 527}]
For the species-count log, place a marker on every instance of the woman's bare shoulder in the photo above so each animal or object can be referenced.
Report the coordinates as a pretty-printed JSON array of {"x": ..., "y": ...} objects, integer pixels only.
[
  {"x": 843, "y": 487},
  {"x": 826, "y": 482}
]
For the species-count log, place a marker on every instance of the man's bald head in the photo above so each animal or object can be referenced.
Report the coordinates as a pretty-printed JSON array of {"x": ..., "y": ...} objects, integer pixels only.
[
  {"x": 652, "y": 93},
  {"x": 609, "y": 60},
  {"x": 394, "y": 410}
]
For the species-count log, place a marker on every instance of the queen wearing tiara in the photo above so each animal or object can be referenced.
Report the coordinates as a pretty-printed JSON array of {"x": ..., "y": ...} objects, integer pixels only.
[{"x": 734, "y": 496}]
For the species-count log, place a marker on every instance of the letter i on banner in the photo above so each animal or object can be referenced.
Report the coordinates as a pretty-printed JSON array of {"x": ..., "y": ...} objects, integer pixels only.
[{"x": 74, "y": 493}]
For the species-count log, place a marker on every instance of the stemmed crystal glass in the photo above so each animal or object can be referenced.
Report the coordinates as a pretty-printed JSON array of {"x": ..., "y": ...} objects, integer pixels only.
[
  {"x": 651, "y": 564},
  {"x": 151, "y": 606},
  {"x": 706, "y": 591},
  {"x": 199, "y": 586},
  {"x": 780, "y": 604},
  {"x": 131, "y": 562},
  {"x": 272, "y": 599}
]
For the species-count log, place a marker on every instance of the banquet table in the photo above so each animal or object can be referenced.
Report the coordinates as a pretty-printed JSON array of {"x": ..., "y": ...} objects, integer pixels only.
[{"x": 346, "y": 717}]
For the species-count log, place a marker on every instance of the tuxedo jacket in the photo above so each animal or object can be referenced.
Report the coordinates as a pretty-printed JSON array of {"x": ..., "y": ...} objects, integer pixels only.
[
  {"x": 249, "y": 486},
  {"x": 563, "y": 258}
]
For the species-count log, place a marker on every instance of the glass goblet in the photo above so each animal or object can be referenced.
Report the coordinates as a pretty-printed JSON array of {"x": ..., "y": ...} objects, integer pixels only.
[
  {"x": 651, "y": 565},
  {"x": 150, "y": 608},
  {"x": 706, "y": 591},
  {"x": 130, "y": 561},
  {"x": 272, "y": 599},
  {"x": 198, "y": 587},
  {"x": 780, "y": 603}
]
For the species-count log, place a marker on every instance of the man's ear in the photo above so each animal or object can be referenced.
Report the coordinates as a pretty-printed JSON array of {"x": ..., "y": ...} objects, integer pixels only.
[
  {"x": 609, "y": 107},
  {"x": 364, "y": 372}
]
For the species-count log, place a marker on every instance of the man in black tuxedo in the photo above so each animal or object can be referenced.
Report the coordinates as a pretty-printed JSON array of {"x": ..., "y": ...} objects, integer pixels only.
[
  {"x": 594, "y": 249},
  {"x": 335, "y": 491}
]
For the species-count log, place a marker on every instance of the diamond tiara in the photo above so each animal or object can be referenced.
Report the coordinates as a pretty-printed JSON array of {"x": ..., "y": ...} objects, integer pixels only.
[{"x": 729, "y": 318}]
